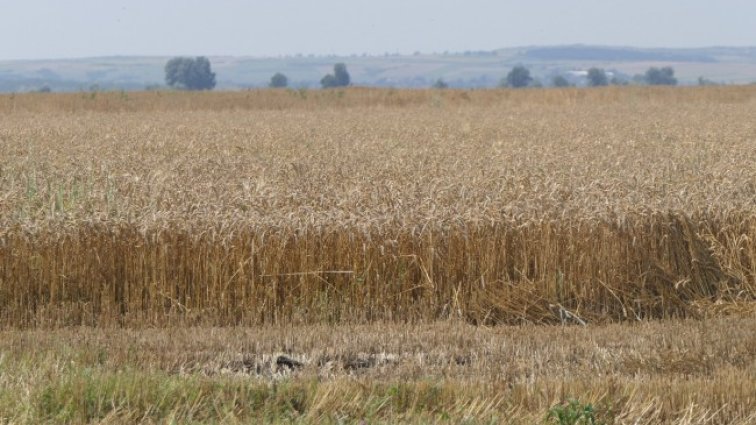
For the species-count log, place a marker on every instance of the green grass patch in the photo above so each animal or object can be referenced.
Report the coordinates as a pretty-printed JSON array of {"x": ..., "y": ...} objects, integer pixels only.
[{"x": 91, "y": 395}]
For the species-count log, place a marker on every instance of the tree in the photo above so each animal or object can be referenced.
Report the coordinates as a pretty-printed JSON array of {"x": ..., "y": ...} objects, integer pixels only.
[
  {"x": 618, "y": 81},
  {"x": 597, "y": 77},
  {"x": 190, "y": 73},
  {"x": 328, "y": 81},
  {"x": 342, "y": 76},
  {"x": 518, "y": 77},
  {"x": 661, "y": 76},
  {"x": 703, "y": 81},
  {"x": 278, "y": 80},
  {"x": 440, "y": 84},
  {"x": 339, "y": 78},
  {"x": 560, "y": 81}
]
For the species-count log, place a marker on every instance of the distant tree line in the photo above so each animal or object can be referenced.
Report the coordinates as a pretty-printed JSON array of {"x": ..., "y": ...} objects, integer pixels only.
[
  {"x": 196, "y": 74},
  {"x": 661, "y": 76},
  {"x": 519, "y": 77}
]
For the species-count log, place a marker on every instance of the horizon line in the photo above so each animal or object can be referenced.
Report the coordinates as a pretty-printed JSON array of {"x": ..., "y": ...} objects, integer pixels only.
[{"x": 376, "y": 55}]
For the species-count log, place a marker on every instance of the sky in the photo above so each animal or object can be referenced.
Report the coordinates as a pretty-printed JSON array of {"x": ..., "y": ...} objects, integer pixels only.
[{"x": 54, "y": 29}]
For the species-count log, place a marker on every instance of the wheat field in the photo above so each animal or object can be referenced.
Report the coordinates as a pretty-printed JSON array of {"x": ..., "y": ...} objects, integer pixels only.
[
  {"x": 127, "y": 219},
  {"x": 376, "y": 205}
]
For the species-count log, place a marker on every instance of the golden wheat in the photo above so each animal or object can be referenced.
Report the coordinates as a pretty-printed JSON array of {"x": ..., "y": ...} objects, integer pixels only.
[{"x": 377, "y": 205}]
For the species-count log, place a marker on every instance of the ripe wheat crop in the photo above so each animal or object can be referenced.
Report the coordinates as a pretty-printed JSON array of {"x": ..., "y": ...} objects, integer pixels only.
[{"x": 364, "y": 205}]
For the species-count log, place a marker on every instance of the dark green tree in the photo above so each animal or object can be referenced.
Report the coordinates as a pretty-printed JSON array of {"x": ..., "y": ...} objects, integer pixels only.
[
  {"x": 342, "y": 75},
  {"x": 339, "y": 78},
  {"x": 440, "y": 84},
  {"x": 560, "y": 81},
  {"x": 278, "y": 80},
  {"x": 597, "y": 77},
  {"x": 518, "y": 77},
  {"x": 190, "y": 73},
  {"x": 661, "y": 76},
  {"x": 328, "y": 81}
]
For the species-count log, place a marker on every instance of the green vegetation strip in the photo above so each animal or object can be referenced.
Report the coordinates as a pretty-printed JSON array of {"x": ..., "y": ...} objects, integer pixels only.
[{"x": 93, "y": 395}]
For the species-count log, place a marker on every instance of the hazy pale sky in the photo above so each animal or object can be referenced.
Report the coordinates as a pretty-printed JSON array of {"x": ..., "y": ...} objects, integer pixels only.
[{"x": 34, "y": 29}]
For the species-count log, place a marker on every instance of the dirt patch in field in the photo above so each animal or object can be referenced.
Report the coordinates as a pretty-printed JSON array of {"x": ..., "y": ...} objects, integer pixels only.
[{"x": 273, "y": 366}]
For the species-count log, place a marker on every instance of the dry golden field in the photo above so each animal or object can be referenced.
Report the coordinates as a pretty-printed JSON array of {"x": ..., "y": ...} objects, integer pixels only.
[
  {"x": 672, "y": 372},
  {"x": 149, "y": 217},
  {"x": 374, "y": 205}
]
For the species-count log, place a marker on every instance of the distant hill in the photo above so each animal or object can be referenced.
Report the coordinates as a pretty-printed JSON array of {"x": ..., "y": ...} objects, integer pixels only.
[
  {"x": 614, "y": 54},
  {"x": 730, "y": 65}
]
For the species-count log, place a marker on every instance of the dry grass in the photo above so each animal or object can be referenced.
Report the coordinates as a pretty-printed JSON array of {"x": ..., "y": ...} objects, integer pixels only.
[
  {"x": 688, "y": 372},
  {"x": 309, "y": 100},
  {"x": 376, "y": 205}
]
